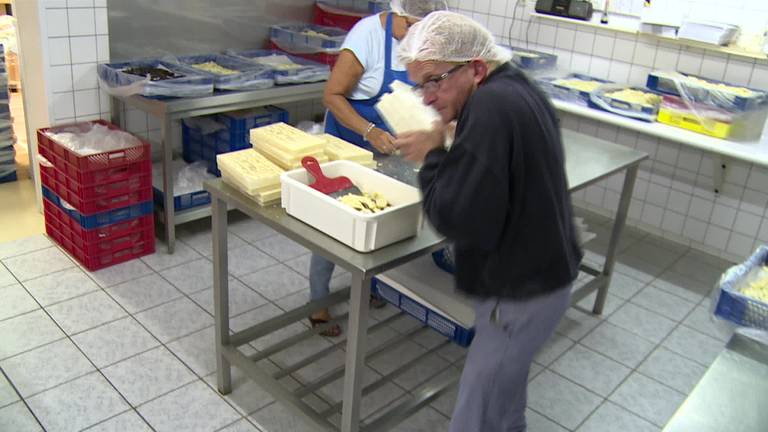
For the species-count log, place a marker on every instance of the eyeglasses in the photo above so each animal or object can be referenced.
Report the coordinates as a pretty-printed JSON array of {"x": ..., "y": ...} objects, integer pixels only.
[{"x": 433, "y": 84}]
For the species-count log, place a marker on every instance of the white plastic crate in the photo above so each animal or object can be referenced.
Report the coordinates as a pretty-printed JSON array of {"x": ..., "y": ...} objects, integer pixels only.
[{"x": 360, "y": 231}]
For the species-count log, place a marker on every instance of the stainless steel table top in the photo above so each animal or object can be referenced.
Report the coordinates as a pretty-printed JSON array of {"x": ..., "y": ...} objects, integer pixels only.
[
  {"x": 590, "y": 159},
  {"x": 732, "y": 395}
]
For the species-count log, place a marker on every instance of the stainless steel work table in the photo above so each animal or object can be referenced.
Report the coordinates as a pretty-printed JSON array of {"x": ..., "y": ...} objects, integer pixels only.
[
  {"x": 589, "y": 160},
  {"x": 171, "y": 111},
  {"x": 732, "y": 395}
]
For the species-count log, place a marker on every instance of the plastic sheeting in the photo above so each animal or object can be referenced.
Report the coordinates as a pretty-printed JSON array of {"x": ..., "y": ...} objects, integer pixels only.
[{"x": 96, "y": 139}]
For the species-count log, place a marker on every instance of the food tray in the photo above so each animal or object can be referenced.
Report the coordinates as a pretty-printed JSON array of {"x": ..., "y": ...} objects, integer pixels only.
[
  {"x": 308, "y": 36},
  {"x": 735, "y": 307},
  {"x": 641, "y": 111},
  {"x": 250, "y": 76},
  {"x": 427, "y": 293},
  {"x": 712, "y": 121},
  {"x": 306, "y": 71},
  {"x": 189, "y": 85},
  {"x": 100, "y": 219},
  {"x": 665, "y": 82},
  {"x": 362, "y": 232},
  {"x": 532, "y": 60},
  {"x": 60, "y": 220},
  {"x": 568, "y": 93}
]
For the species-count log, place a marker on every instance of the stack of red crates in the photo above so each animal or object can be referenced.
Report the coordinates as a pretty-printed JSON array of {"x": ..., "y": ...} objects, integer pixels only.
[{"x": 97, "y": 207}]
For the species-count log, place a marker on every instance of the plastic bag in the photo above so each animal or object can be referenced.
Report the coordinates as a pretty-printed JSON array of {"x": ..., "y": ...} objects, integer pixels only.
[
  {"x": 206, "y": 125},
  {"x": 287, "y": 69},
  {"x": 187, "y": 178},
  {"x": 95, "y": 139},
  {"x": 227, "y": 72},
  {"x": 310, "y": 127},
  {"x": 607, "y": 97},
  {"x": 115, "y": 79}
]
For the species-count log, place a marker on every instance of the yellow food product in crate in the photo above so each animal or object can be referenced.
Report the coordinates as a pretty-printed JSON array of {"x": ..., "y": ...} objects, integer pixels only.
[
  {"x": 250, "y": 169},
  {"x": 674, "y": 113},
  {"x": 286, "y": 138},
  {"x": 758, "y": 289},
  {"x": 338, "y": 149}
]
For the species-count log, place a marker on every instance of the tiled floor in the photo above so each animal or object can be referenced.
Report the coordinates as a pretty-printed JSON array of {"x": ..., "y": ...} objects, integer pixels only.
[{"x": 130, "y": 348}]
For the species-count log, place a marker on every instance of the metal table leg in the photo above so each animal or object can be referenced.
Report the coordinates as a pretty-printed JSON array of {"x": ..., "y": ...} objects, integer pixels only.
[
  {"x": 613, "y": 243},
  {"x": 221, "y": 293},
  {"x": 116, "y": 111},
  {"x": 167, "y": 137},
  {"x": 356, "y": 341}
]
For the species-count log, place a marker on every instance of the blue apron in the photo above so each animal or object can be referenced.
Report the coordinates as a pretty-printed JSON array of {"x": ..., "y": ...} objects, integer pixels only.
[{"x": 365, "y": 107}]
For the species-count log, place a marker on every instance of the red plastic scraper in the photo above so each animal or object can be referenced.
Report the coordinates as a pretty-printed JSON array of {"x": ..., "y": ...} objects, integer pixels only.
[{"x": 333, "y": 186}]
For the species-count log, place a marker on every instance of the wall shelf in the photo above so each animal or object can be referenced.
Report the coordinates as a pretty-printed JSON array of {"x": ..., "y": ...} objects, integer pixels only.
[{"x": 628, "y": 28}]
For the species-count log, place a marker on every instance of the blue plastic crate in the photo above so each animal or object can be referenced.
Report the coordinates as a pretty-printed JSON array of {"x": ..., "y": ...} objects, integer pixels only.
[
  {"x": 304, "y": 71},
  {"x": 444, "y": 258},
  {"x": 185, "y": 201},
  {"x": 532, "y": 60},
  {"x": 308, "y": 36},
  {"x": 735, "y": 307},
  {"x": 557, "y": 91},
  {"x": 459, "y": 334},
  {"x": 660, "y": 82},
  {"x": 626, "y": 109},
  {"x": 249, "y": 76},
  {"x": 8, "y": 177},
  {"x": 97, "y": 220},
  {"x": 189, "y": 84},
  {"x": 239, "y": 123}
]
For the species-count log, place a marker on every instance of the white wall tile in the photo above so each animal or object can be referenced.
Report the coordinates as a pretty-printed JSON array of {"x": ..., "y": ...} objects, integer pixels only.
[
  {"x": 619, "y": 72},
  {"x": 638, "y": 75},
  {"x": 546, "y": 35},
  {"x": 499, "y": 7},
  {"x": 482, "y": 6},
  {"x": 740, "y": 245},
  {"x": 758, "y": 179},
  {"x": 496, "y": 25},
  {"x": 679, "y": 201},
  {"x": 104, "y": 101},
  {"x": 600, "y": 67},
  {"x": 648, "y": 145},
  {"x": 723, "y": 216},
  {"x": 100, "y": 3},
  {"x": 713, "y": 66},
  {"x": 58, "y": 51},
  {"x": 79, "y": 3},
  {"x": 701, "y": 208},
  {"x": 716, "y": 237},
  {"x": 580, "y": 63},
  {"x": 690, "y": 62},
  {"x": 695, "y": 229},
  {"x": 747, "y": 223},
  {"x": 762, "y": 235},
  {"x": 102, "y": 48},
  {"x": 482, "y": 18},
  {"x": 102, "y": 21},
  {"x": 673, "y": 222},
  {"x": 754, "y": 201},
  {"x": 565, "y": 38},
  {"x": 51, "y": 4},
  {"x": 652, "y": 215},
  {"x": 584, "y": 41},
  {"x": 666, "y": 58},
  {"x": 738, "y": 72},
  {"x": 61, "y": 78},
  {"x": 760, "y": 76},
  {"x": 84, "y": 76},
  {"x": 668, "y": 153},
  {"x": 57, "y": 22},
  {"x": 645, "y": 53},
  {"x": 86, "y": 102},
  {"x": 594, "y": 195},
  {"x": 63, "y": 105},
  {"x": 81, "y": 22},
  {"x": 624, "y": 50},
  {"x": 657, "y": 195},
  {"x": 83, "y": 49},
  {"x": 603, "y": 46}
]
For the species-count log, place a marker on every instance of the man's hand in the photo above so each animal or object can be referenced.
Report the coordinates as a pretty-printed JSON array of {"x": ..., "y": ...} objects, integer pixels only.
[{"x": 414, "y": 146}]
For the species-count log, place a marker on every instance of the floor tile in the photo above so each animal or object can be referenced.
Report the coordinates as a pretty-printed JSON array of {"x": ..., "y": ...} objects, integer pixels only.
[
  {"x": 395, "y": 357},
  {"x": 702, "y": 320},
  {"x": 148, "y": 375},
  {"x": 618, "y": 344},
  {"x": 201, "y": 240},
  {"x": 612, "y": 303},
  {"x": 539, "y": 423},
  {"x": 251, "y": 318},
  {"x": 46, "y": 367},
  {"x": 276, "y": 282},
  {"x": 576, "y": 324},
  {"x": 636, "y": 268},
  {"x": 197, "y": 351},
  {"x": 672, "y": 369},
  {"x": 642, "y": 322},
  {"x": 23, "y": 246},
  {"x": 6, "y": 278},
  {"x": 279, "y": 335},
  {"x": 624, "y": 286},
  {"x": 27, "y": 266},
  {"x": 293, "y": 301},
  {"x": 17, "y": 418},
  {"x": 591, "y": 370},
  {"x": 175, "y": 319},
  {"x": 241, "y": 298},
  {"x": 647, "y": 398},
  {"x": 663, "y": 303},
  {"x": 447, "y": 401},
  {"x": 561, "y": 400},
  {"x": 115, "y": 341},
  {"x": 552, "y": 349},
  {"x": 60, "y": 286},
  {"x": 694, "y": 345},
  {"x": 249, "y": 229},
  {"x": 7, "y": 394},
  {"x": 77, "y": 404},
  {"x": 125, "y": 422},
  {"x": 425, "y": 420},
  {"x": 318, "y": 368},
  {"x": 85, "y": 312},
  {"x": 120, "y": 273},
  {"x": 143, "y": 293},
  {"x": 26, "y": 332},
  {"x": 240, "y": 426},
  {"x": 281, "y": 247},
  {"x": 247, "y": 396},
  {"x": 16, "y": 301},
  {"x": 611, "y": 417},
  {"x": 684, "y": 287},
  {"x": 277, "y": 418},
  {"x": 452, "y": 352},
  {"x": 700, "y": 266},
  {"x": 248, "y": 259},
  {"x": 161, "y": 259},
  {"x": 191, "y": 277},
  {"x": 194, "y": 407},
  {"x": 653, "y": 254}
]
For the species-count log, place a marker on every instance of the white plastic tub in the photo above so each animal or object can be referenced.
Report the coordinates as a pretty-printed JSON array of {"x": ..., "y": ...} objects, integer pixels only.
[{"x": 360, "y": 231}]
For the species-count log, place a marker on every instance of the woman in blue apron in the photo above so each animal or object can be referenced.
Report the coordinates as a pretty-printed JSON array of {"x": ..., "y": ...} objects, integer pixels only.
[{"x": 361, "y": 75}]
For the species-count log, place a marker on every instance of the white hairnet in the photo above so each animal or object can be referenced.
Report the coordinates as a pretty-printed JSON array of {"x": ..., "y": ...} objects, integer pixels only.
[
  {"x": 417, "y": 8},
  {"x": 450, "y": 37}
]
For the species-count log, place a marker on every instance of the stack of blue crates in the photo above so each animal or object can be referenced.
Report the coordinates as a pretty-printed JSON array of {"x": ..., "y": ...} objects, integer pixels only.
[
  {"x": 234, "y": 134},
  {"x": 7, "y": 153}
]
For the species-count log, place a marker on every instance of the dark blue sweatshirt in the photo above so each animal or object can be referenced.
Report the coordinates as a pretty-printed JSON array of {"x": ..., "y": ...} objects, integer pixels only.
[{"x": 501, "y": 193}]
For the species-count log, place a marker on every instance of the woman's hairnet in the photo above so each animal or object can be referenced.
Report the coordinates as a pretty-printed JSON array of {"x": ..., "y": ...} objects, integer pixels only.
[
  {"x": 417, "y": 8},
  {"x": 450, "y": 37}
]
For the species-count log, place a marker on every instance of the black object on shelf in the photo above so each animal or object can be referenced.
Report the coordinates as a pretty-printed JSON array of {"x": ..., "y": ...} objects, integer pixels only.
[{"x": 577, "y": 9}]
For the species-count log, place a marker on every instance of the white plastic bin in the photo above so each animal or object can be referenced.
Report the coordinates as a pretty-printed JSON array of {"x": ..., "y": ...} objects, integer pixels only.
[{"x": 360, "y": 231}]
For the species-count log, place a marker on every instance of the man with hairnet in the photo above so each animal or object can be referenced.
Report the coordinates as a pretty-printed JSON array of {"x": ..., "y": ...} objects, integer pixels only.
[{"x": 501, "y": 195}]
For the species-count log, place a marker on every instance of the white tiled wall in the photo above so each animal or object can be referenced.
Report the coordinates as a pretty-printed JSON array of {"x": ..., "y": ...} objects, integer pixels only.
[
  {"x": 674, "y": 194},
  {"x": 75, "y": 39}
]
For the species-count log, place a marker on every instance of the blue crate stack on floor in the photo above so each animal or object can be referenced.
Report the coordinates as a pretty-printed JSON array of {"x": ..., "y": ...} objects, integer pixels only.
[{"x": 7, "y": 152}]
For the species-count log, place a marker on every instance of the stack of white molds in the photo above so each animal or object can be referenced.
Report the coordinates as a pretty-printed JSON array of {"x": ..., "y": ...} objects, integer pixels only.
[
  {"x": 338, "y": 149},
  {"x": 252, "y": 173},
  {"x": 404, "y": 111},
  {"x": 286, "y": 146}
]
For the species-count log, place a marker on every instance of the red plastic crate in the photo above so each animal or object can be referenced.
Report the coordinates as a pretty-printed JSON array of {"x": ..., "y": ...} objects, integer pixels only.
[
  {"x": 61, "y": 221},
  {"x": 98, "y": 161},
  {"x": 320, "y": 57},
  {"x": 330, "y": 16},
  {"x": 68, "y": 172},
  {"x": 99, "y": 198}
]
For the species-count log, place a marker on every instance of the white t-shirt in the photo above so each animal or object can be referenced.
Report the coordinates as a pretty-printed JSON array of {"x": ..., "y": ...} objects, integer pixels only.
[{"x": 366, "y": 42}]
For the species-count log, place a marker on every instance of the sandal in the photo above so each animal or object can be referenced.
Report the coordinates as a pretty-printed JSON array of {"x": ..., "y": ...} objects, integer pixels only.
[
  {"x": 332, "y": 331},
  {"x": 377, "y": 302}
]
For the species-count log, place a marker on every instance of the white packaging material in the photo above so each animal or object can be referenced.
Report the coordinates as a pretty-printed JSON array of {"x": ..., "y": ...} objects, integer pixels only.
[
  {"x": 97, "y": 139},
  {"x": 188, "y": 178},
  {"x": 404, "y": 111},
  {"x": 708, "y": 32},
  {"x": 360, "y": 231}
]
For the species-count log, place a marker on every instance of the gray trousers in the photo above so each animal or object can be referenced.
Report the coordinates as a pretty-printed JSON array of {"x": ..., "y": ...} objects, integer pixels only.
[{"x": 508, "y": 334}]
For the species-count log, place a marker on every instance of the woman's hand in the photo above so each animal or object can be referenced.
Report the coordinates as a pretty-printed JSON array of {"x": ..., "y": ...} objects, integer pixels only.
[
  {"x": 415, "y": 145},
  {"x": 382, "y": 140}
]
